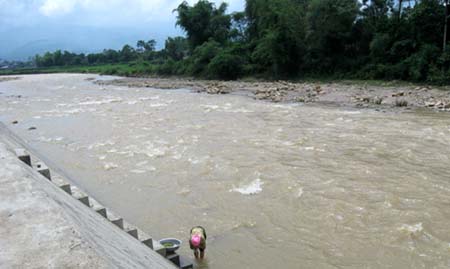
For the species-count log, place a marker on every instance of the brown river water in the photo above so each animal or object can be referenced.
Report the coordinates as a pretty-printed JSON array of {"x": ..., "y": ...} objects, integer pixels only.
[{"x": 275, "y": 185}]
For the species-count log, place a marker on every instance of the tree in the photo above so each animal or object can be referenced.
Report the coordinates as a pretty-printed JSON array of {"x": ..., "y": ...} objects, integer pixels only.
[
  {"x": 446, "y": 25},
  {"x": 203, "y": 21},
  {"x": 176, "y": 48},
  {"x": 276, "y": 30},
  {"x": 329, "y": 29},
  {"x": 127, "y": 53},
  {"x": 146, "y": 46}
]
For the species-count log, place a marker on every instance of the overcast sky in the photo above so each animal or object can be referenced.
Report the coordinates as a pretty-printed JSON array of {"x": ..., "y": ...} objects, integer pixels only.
[{"x": 86, "y": 25}]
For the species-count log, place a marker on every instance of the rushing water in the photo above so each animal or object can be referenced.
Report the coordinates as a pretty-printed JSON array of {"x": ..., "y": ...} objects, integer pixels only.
[{"x": 275, "y": 185}]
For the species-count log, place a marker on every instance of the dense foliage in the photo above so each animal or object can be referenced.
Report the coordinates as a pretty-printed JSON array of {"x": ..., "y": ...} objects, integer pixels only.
[{"x": 369, "y": 39}]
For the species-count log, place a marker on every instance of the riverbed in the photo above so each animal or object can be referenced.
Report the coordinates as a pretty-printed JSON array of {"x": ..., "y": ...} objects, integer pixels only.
[{"x": 276, "y": 185}]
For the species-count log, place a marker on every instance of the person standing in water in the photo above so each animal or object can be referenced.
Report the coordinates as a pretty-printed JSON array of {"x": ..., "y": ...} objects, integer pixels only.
[{"x": 198, "y": 241}]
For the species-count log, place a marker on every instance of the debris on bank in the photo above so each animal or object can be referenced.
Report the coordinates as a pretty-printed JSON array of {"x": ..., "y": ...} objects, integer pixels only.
[{"x": 356, "y": 95}]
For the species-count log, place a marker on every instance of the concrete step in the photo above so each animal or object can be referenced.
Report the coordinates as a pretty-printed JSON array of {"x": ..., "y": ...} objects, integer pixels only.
[
  {"x": 23, "y": 155},
  {"x": 102, "y": 211},
  {"x": 133, "y": 233},
  {"x": 186, "y": 263},
  {"x": 148, "y": 242},
  {"x": 43, "y": 170},
  {"x": 85, "y": 200},
  {"x": 118, "y": 223},
  {"x": 159, "y": 248},
  {"x": 174, "y": 258},
  {"x": 67, "y": 188}
]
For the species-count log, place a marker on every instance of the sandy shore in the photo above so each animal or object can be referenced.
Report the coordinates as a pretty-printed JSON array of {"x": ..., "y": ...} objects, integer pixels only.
[{"x": 356, "y": 95}]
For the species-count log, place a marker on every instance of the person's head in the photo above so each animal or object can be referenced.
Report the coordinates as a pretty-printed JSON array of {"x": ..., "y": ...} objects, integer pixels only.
[{"x": 195, "y": 240}]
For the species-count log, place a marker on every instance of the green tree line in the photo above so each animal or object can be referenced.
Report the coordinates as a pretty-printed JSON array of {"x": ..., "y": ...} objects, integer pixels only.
[{"x": 369, "y": 39}]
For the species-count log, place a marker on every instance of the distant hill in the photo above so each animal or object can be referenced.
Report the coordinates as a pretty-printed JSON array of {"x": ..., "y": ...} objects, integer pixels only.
[{"x": 25, "y": 42}]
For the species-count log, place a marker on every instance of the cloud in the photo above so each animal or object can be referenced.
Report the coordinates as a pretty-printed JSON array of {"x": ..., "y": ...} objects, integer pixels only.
[
  {"x": 98, "y": 12},
  {"x": 57, "y": 7},
  {"x": 153, "y": 7},
  {"x": 116, "y": 12}
]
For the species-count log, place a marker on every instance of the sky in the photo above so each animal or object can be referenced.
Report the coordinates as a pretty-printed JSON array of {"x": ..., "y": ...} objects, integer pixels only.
[{"x": 28, "y": 27}]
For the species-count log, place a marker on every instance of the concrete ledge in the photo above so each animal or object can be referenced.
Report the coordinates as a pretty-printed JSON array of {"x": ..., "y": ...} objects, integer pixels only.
[
  {"x": 102, "y": 212},
  {"x": 148, "y": 242},
  {"x": 66, "y": 188},
  {"x": 160, "y": 249},
  {"x": 175, "y": 258},
  {"x": 133, "y": 233},
  {"x": 118, "y": 223},
  {"x": 186, "y": 264},
  {"x": 43, "y": 170},
  {"x": 85, "y": 201},
  {"x": 23, "y": 155}
]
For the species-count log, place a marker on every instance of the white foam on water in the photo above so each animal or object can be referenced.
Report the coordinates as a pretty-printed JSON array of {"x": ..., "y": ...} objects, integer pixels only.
[
  {"x": 110, "y": 166},
  {"x": 73, "y": 111},
  {"x": 140, "y": 164},
  {"x": 184, "y": 191},
  {"x": 50, "y": 139},
  {"x": 288, "y": 143},
  {"x": 102, "y": 102},
  {"x": 43, "y": 100},
  {"x": 150, "y": 150},
  {"x": 136, "y": 171},
  {"x": 143, "y": 166},
  {"x": 158, "y": 105},
  {"x": 254, "y": 187},
  {"x": 209, "y": 108},
  {"x": 413, "y": 229},
  {"x": 177, "y": 156},
  {"x": 151, "y": 168},
  {"x": 300, "y": 192},
  {"x": 148, "y": 98},
  {"x": 241, "y": 110},
  {"x": 351, "y": 112},
  {"x": 98, "y": 145}
]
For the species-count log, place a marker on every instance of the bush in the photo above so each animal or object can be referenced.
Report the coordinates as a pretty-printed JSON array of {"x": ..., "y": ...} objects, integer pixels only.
[
  {"x": 202, "y": 56},
  {"x": 419, "y": 63},
  {"x": 225, "y": 66},
  {"x": 167, "y": 68},
  {"x": 440, "y": 72}
]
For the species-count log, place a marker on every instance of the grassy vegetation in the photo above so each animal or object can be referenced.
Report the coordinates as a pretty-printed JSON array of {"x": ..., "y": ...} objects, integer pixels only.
[
  {"x": 145, "y": 69},
  {"x": 120, "y": 69}
]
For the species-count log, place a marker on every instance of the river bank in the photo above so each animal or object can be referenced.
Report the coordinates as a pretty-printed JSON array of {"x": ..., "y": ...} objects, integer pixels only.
[
  {"x": 43, "y": 227},
  {"x": 360, "y": 95},
  {"x": 34, "y": 231}
]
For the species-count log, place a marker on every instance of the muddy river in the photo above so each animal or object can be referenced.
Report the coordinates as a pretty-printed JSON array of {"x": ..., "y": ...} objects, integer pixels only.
[{"x": 275, "y": 185}]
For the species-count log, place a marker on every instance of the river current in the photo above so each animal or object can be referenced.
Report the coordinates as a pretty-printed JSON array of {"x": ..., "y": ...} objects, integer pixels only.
[{"x": 275, "y": 185}]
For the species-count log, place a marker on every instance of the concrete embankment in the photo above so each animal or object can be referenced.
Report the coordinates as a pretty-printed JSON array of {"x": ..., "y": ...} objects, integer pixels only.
[{"x": 41, "y": 226}]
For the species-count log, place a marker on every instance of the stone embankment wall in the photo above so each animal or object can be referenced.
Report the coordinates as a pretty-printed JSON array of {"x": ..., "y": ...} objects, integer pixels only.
[{"x": 48, "y": 222}]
